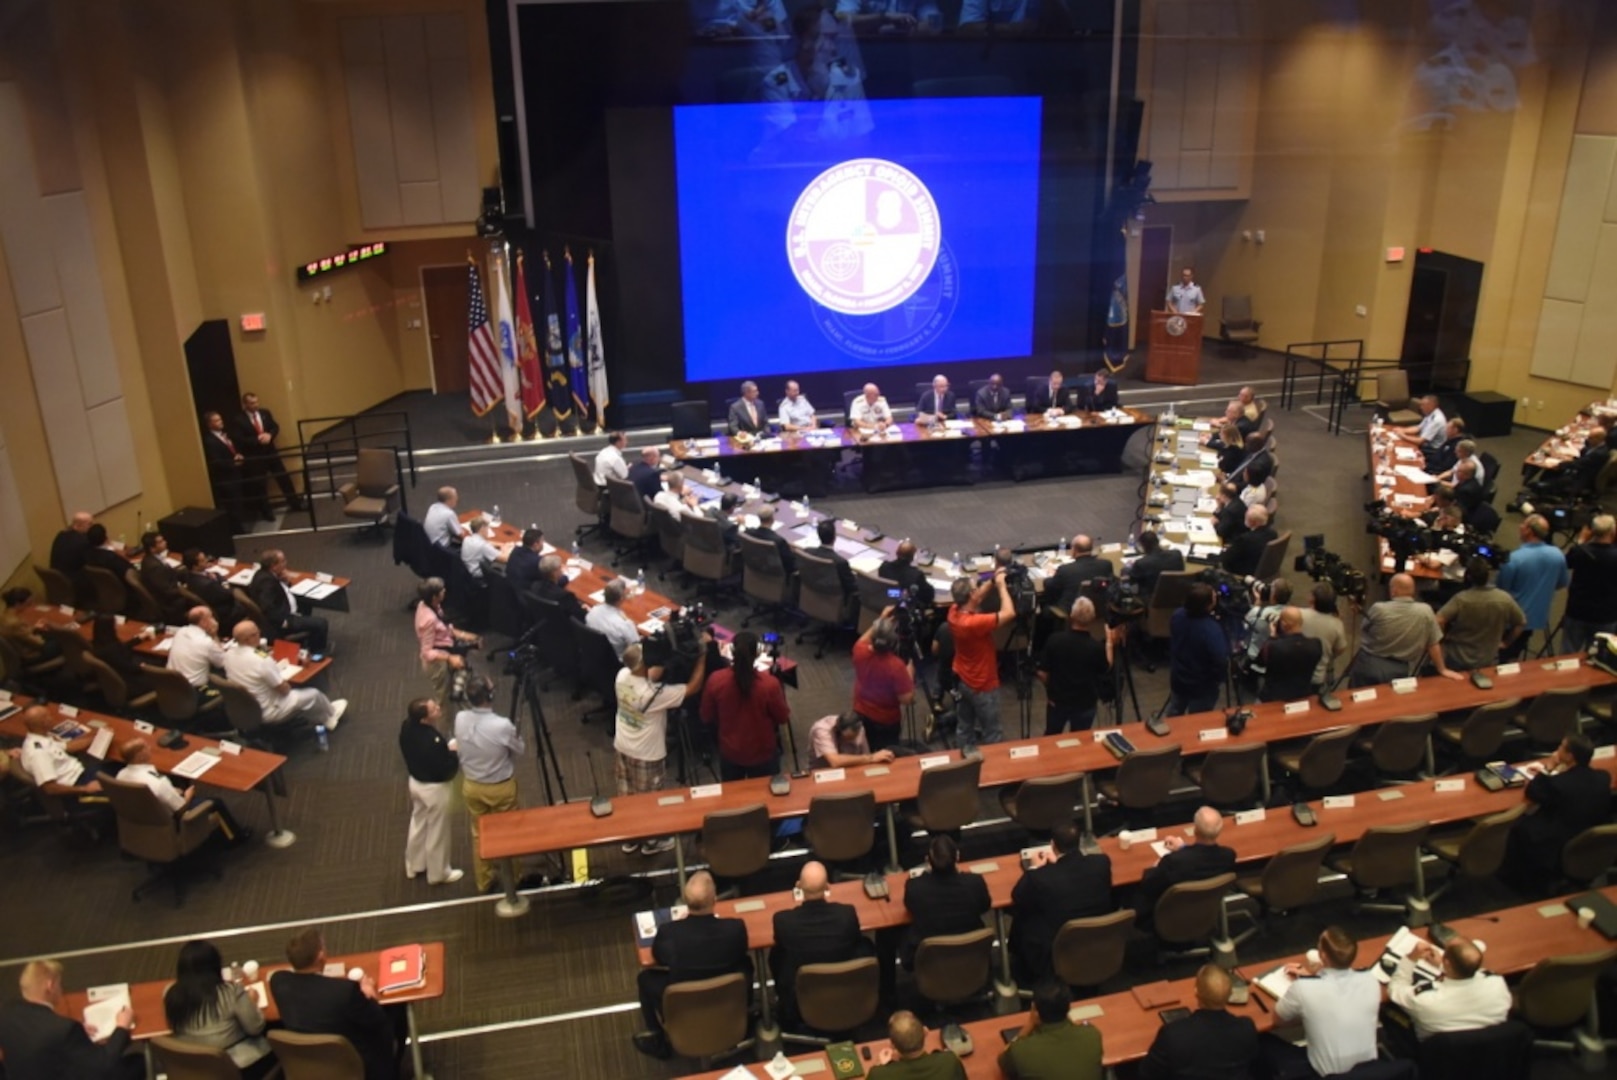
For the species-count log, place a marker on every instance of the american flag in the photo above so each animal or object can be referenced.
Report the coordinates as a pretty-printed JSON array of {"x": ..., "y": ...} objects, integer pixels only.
[{"x": 487, "y": 385}]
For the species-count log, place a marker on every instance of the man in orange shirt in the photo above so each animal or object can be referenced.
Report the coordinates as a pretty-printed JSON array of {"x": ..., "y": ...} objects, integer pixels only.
[{"x": 976, "y": 662}]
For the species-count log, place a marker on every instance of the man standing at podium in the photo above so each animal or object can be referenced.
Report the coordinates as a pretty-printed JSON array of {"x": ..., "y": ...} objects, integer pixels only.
[{"x": 1186, "y": 297}]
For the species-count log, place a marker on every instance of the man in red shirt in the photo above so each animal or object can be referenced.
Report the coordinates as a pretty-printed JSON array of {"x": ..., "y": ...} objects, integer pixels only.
[
  {"x": 882, "y": 683},
  {"x": 749, "y": 707},
  {"x": 976, "y": 662}
]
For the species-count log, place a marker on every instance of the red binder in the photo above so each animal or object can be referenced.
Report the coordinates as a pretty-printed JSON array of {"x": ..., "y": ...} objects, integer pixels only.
[{"x": 403, "y": 967}]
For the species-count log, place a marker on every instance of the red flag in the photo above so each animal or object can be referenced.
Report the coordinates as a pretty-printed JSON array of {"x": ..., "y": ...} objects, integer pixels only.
[
  {"x": 533, "y": 390},
  {"x": 485, "y": 357}
]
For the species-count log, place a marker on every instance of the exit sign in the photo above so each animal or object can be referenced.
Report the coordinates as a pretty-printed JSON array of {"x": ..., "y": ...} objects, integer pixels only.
[
  {"x": 252, "y": 322},
  {"x": 1395, "y": 254}
]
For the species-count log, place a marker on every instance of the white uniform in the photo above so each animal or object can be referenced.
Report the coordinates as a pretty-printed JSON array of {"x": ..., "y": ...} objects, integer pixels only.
[
  {"x": 260, "y": 675},
  {"x": 194, "y": 654},
  {"x": 846, "y": 114},
  {"x": 864, "y": 414},
  {"x": 45, "y": 758},
  {"x": 609, "y": 465},
  {"x": 1338, "y": 1010},
  {"x": 147, "y": 775},
  {"x": 1449, "y": 1004}
]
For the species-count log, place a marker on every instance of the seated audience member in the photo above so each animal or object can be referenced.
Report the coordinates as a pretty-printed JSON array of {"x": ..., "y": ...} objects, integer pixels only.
[
  {"x": 943, "y": 900},
  {"x": 902, "y": 571},
  {"x": 1290, "y": 660},
  {"x": 1466, "y": 998},
  {"x": 1063, "y": 884},
  {"x": 553, "y": 587},
  {"x": 675, "y": 499},
  {"x": 609, "y": 460},
  {"x": 1480, "y": 621},
  {"x": 261, "y": 676},
  {"x": 1251, "y": 407},
  {"x": 196, "y": 652},
  {"x": 1337, "y": 1007},
  {"x": 826, "y": 530},
  {"x": 21, "y": 633},
  {"x": 838, "y": 741},
  {"x": 608, "y": 620},
  {"x": 766, "y": 531},
  {"x": 72, "y": 544},
  {"x": 271, "y": 590},
  {"x": 1569, "y": 797},
  {"x": 55, "y": 767},
  {"x": 120, "y": 657},
  {"x": 138, "y": 769},
  {"x": 1152, "y": 564},
  {"x": 105, "y": 553},
  {"x": 646, "y": 474},
  {"x": 1243, "y": 553},
  {"x": 441, "y": 523},
  {"x": 39, "y": 1043},
  {"x": 522, "y": 566},
  {"x": 699, "y": 946},
  {"x": 1578, "y": 476},
  {"x": 314, "y": 1003},
  {"x": 1204, "y": 858},
  {"x": 937, "y": 405},
  {"x": 1048, "y": 397},
  {"x": 1210, "y": 1043},
  {"x": 1257, "y": 466},
  {"x": 992, "y": 401},
  {"x": 1097, "y": 394},
  {"x": 208, "y": 587},
  {"x": 477, "y": 552},
  {"x": 1064, "y": 587},
  {"x": 1229, "y": 520},
  {"x": 161, "y": 579},
  {"x": 818, "y": 931},
  {"x": 202, "y": 1008},
  {"x": 724, "y": 512},
  {"x": 1051, "y": 1046},
  {"x": 1230, "y": 445},
  {"x": 908, "y": 1058}
]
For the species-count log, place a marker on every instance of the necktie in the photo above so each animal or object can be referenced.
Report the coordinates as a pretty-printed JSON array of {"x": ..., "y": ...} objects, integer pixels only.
[
  {"x": 258, "y": 425},
  {"x": 226, "y": 440},
  {"x": 752, "y": 411}
]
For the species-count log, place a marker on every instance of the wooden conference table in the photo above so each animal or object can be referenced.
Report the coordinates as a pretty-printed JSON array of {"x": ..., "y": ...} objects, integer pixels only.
[
  {"x": 1387, "y": 454},
  {"x": 238, "y": 769},
  {"x": 1566, "y": 442},
  {"x": 911, "y": 455},
  {"x": 539, "y": 830},
  {"x": 1517, "y": 938},
  {"x": 146, "y": 999},
  {"x": 237, "y": 573}
]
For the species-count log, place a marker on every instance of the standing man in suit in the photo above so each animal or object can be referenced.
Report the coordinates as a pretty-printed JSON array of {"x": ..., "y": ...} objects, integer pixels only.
[
  {"x": 747, "y": 415},
  {"x": 937, "y": 404},
  {"x": 992, "y": 401},
  {"x": 70, "y": 546},
  {"x": 522, "y": 567},
  {"x": 646, "y": 474},
  {"x": 227, "y": 470},
  {"x": 816, "y": 932},
  {"x": 317, "y": 1004},
  {"x": 699, "y": 946},
  {"x": 1070, "y": 578},
  {"x": 1063, "y": 884},
  {"x": 1210, "y": 1043},
  {"x": 1568, "y": 797},
  {"x": 255, "y": 433},
  {"x": 40, "y": 1044},
  {"x": 271, "y": 590},
  {"x": 1099, "y": 395},
  {"x": 1186, "y": 862},
  {"x": 943, "y": 900},
  {"x": 1049, "y": 397}
]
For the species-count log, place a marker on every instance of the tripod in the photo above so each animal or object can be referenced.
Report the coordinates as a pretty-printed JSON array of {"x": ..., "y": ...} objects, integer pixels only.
[
  {"x": 525, "y": 691},
  {"x": 1123, "y": 676}
]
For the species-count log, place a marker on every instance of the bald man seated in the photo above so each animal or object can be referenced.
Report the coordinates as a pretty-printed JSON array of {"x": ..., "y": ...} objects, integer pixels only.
[
  {"x": 55, "y": 767},
  {"x": 1210, "y": 1043},
  {"x": 1464, "y": 999},
  {"x": 1243, "y": 553},
  {"x": 818, "y": 931},
  {"x": 1205, "y": 857},
  {"x": 699, "y": 946},
  {"x": 40, "y": 1044},
  {"x": 72, "y": 544}
]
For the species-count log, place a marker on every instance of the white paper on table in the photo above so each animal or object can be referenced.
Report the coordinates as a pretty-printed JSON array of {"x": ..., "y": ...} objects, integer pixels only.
[
  {"x": 1403, "y": 942},
  {"x": 1413, "y": 473},
  {"x": 242, "y": 577},
  {"x": 101, "y": 1015},
  {"x": 866, "y": 564},
  {"x": 651, "y": 626},
  {"x": 305, "y": 587},
  {"x": 322, "y": 590},
  {"x": 163, "y": 646},
  {"x": 288, "y": 670},
  {"x": 194, "y": 765}
]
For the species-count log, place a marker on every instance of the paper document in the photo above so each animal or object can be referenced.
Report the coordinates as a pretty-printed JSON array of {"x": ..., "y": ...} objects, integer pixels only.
[
  {"x": 242, "y": 577},
  {"x": 101, "y": 1015},
  {"x": 195, "y": 765},
  {"x": 1412, "y": 473}
]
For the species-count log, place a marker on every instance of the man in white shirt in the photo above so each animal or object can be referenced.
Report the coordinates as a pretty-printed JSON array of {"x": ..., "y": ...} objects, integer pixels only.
[
  {"x": 870, "y": 411},
  {"x": 1186, "y": 297},
  {"x": 442, "y": 524},
  {"x": 607, "y": 618},
  {"x": 1338, "y": 1008},
  {"x": 261, "y": 676},
  {"x": 609, "y": 463},
  {"x": 675, "y": 499},
  {"x": 796, "y": 414},
  {"x": 196, "y": 651},
  {"x": 138, "y": 769},
  {"x": 1466, "y": 998},
  {"x": 49, "y": 762},
  {"x": 476, "y": 551},
  {"x": 1430, "y": 431},
  {"x": 641, "y": 740}
]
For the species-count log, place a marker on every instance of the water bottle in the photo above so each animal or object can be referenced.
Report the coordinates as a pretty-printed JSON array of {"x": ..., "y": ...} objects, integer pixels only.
[
  {"x": 805, "y": 504},
  {"x": 322, "y": 738},
  {"x": 575, "y": 549},
  {"x": 1061, "y": 545},
  {"x": 958, "y": 566},
  {"x": 640, "y": 582},
  {"x": 494, "y": 515}
]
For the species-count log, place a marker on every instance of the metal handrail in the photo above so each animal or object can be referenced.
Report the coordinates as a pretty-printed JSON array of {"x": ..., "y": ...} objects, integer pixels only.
[
  {"x": 1296, "y": 359},
  {"x": 331, "y": 436}
]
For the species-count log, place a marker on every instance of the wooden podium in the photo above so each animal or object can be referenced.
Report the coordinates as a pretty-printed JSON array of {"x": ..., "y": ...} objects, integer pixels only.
[{"x": 1175, "y": 353}]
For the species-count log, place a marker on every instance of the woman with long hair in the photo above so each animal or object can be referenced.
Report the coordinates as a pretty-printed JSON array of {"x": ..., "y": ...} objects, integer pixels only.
[
  {"x": 203, "y": 1008},
  {"x": 749, "y": 707}
]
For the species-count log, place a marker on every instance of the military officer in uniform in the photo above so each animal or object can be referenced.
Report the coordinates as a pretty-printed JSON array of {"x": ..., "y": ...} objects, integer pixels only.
[{"x": 818, "y": 72}]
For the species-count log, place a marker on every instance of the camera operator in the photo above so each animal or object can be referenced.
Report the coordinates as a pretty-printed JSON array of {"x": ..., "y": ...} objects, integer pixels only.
[
  {"x": 1479, "y": 622},
  {"x": 1076, "y": 670},
  {"x": 976, "y": 661},
  {"x": 1064, "y": 587},
  {"x": 749, "y": 708},
  {"x": 1324, "y": 625},
  {"x": 1398, "y": 633},
  {"x": 1199, "y": 652},
  {"x": 1243, "y": 554},
  {"x": 1533, "y": 575},
  {"x": 1290, "y": 659},
  {"x": 641, "y": 741},
  {"x": 1269, "y": 598},
  {"x": 1151, "y": 564},
  {"x": 1591, "y": 599},
  {"x": 883, "y": 683},
  {"x": 442, "y": 647},
  {"x": 902, "y": 571}
]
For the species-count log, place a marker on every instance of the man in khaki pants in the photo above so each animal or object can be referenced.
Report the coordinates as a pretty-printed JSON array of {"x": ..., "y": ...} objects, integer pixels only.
[{"x": 488, "y": 744}]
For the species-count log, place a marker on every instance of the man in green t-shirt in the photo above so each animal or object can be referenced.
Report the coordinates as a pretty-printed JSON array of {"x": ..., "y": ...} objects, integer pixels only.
[{"x": 1050, "y": 1046}]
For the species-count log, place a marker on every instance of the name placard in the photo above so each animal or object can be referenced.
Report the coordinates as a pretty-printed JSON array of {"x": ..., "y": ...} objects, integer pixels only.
[
  {"x": 707, "y": 791},
  {"x": 1367, "y": 694},
  {"x": 1294, "y": 708},
  {"x": 1024, "y": 752},
  {"x": 1213, "y": 734},
  {"x": 1338, "y": 802},
  {"x": 1248, "y": 817},
  {"x": 827, "y": 776}
]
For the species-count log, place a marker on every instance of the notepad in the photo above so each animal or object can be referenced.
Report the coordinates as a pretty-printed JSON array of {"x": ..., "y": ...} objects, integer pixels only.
[{"x": 195, "y": 764}]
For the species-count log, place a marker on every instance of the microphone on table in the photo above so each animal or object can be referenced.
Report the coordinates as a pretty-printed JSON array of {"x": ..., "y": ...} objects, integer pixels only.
[{"x": 600, "y": 805}]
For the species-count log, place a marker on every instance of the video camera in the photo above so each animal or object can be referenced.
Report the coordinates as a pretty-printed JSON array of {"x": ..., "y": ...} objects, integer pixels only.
[
  {"x": 1566, "y": 514},
  {"x": 1327, "y": 566},
  {"x": 1409, "y": 536},
  {"x": 1231, "y": 592},
  {"x": 681, "y": 643}
]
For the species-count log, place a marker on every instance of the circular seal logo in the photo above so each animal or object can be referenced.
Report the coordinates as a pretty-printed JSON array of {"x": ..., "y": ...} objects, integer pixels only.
[
  {"x": 900, "y": 331},
  {"x": 1175, "y": 325},
  {"x": 863, "y": 236}
]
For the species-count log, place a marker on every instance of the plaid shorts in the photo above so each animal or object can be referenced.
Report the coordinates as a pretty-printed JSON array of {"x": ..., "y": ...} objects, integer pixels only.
[{"x": 635, "y": 776}]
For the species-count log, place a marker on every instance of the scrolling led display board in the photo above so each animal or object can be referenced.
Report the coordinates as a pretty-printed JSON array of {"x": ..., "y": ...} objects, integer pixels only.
[{"x": 327, "y": 264}]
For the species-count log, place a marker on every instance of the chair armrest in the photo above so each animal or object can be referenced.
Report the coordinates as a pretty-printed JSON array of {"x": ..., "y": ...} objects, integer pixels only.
[
  {"x": 190, "y": 814},
  {"x": 349, "y": 491}
]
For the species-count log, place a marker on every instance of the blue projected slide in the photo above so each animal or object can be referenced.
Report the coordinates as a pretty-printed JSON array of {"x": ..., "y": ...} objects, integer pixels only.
[{"x": 826, "y": 235}]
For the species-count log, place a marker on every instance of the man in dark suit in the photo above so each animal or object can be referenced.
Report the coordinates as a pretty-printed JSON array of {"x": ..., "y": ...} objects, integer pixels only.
[
  {"x": 207, "y": 588},
  {"x": 816, "y": 932},
  {"x": 943, "y": 901},
  {"x": 318, "y": 1004},
  {"x": 1152, "y": 563},
  {"x": 100, "y": 554},
  {"x": 992, "y": 401},
  {"x": 161, "y": 579},
  {"x": 70, "y": 546},
  {"x": 766, "y": 531},
  {"x": 553, "y": 587},
  {"x": 1289, "y": 660},
  {"x": 1243, "y": 553},
  {"x": 646, "y": 474},
  {"x": 1098, "y": 395},
  {"x": 254, "y": 431},
  {"x": 1185, "y": 862},
  {"x": 699, "y": 946},
  {"x": 747, "y": 415},
  {"x": 827, "y": 532},
  {"x": 1229, "y": 520},
  {"x": 1048, "y": 395},
  {"x": 1468, "y": 490},
  {"x": 1067, "y": 583},
  {"x": 40, "y": 1044},
  {"x": 522, "y": 568},
  {"x": 227, "y": 471},
  {"x": 937, "y": 404},
  {"x": 1210, "y": 1043},
  {"x": 902, "y": 571},
  {"x": 1564, "y": 800},
  {"x": 271, "y": 590},
  {"x": 1063, "y": 884}
]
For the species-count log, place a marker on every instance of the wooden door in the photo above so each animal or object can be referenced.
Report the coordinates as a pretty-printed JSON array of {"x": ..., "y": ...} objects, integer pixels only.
[
  {"x": 443, "y": 291},
  {"x": 1156, "y": 268}
]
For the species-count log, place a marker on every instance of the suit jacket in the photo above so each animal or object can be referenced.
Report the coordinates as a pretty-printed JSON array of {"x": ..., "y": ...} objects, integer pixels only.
[
  {"x": 909, "y": 576},
  {"x": 1039, "y": 399},
  {"x": 1583, "y": 470},
  {"x": 1209, "y": 1044},
  {"x": 318, "y": 1004},
  {"x": 1242, "y": 555},
  {"x": 1090, "y": 401},
  {"x": 216, "y": 594},
  {"x": 1193, "y": 862},
  {"x": 1075, "y": 886},
  {"x": 558, "y": 592},
  {"x": 1568, "y": 803},
  {"x": 930, "y": 406},
  {"x": 40, "y": 1045},
  {"x": 816, "y": 932},
  {"x": 222, "y": 464},
  {"x": 990, "y": 402},
  {"x": 245, "y": 436},
  {"x": 268, "y": 593},
  {"x": 739, "y": 420},
  {"x": 1147, "y": 568},
  {"x": 109, "y": 560},
  {"x": 163, "y": 582},
  {"x": 522, "y": 568},
  {"x": 702, "y": 946},
  {"x": 647, "y": 479},
  {"x": 68, "y": 551},
  {"x": 1063, "y": 588},
  {"x": 942, "y": 904},
  {"x": 1230, "y": 520},
  {"x": 850, "y": 584},
  {"x": 788, "y": 559},
  {"x": 1289, "y": 664}
]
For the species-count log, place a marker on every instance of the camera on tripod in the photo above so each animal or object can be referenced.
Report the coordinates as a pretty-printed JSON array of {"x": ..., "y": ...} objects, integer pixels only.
[
  {"x": 1230, "y": 592},
  {"x": 1121, "y": 599},
  {"x": 1322, "y": 565},
  {"x": 1565, "y": 514}
]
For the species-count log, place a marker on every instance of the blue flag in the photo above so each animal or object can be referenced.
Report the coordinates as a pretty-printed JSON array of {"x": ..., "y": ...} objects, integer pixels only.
[
  {"x": 575, "y": 348},
  {"x": 556, "y": 390},
  {"x": 1117, "y": 324}
]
